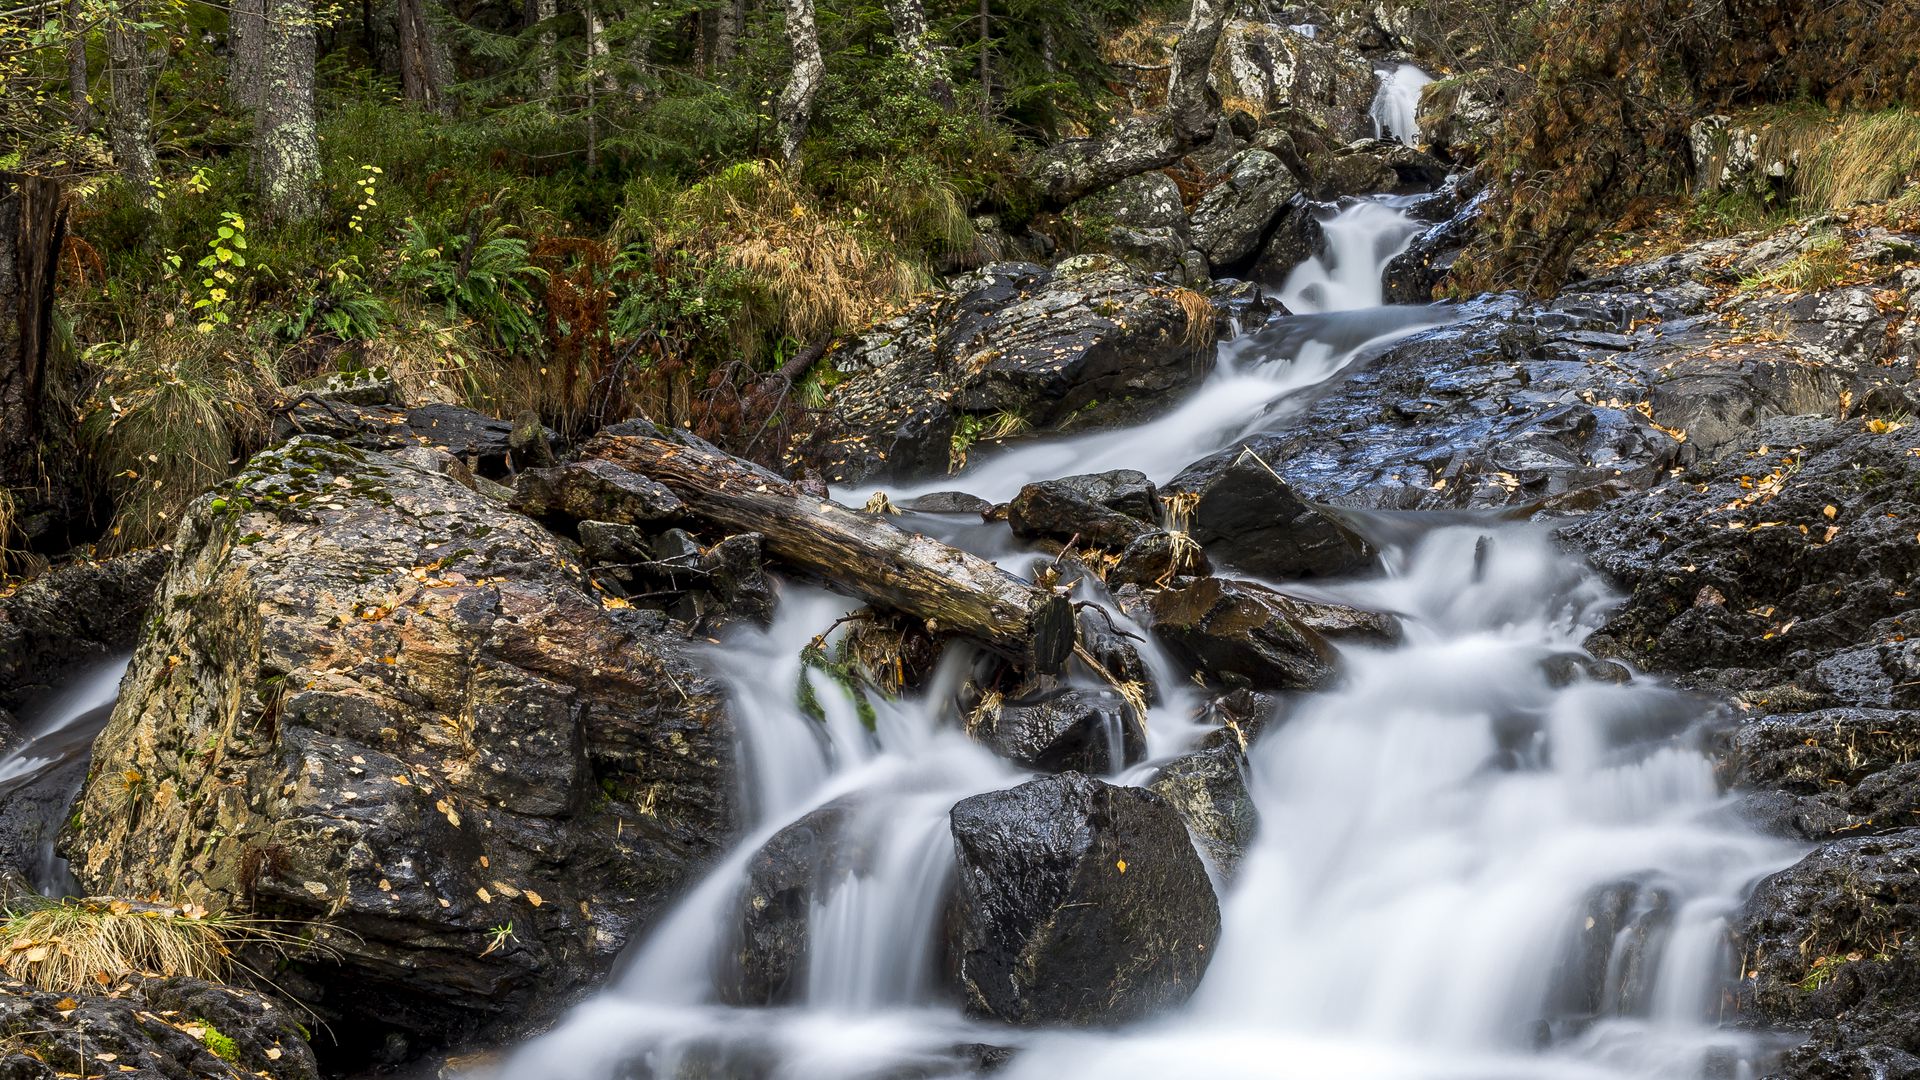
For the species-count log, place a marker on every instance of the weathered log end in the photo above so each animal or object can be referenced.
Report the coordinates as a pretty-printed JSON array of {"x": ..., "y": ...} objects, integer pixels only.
[{"x": 1052, "y": 637}]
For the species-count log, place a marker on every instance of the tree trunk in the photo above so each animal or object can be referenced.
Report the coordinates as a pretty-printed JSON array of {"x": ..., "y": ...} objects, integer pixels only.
[
  {"x": 543, "y": 12},
  {"x": 796, "y": 102},
  {"x": 1192, "y": 104},
  {"x": 864, "y": 554},
  {"x": 246, "y": 52},
  {"x": 78, "y": 96},
  {"x": 726, "y": 36},
  {"x": 286, "y": 143},
  {"x": 986, "y": 53},
  {"x": 32, "y": 227},
  {"x": 130, "y": 71},
  {"x": 911, "y": 35},
  {"x": 422, "y": 65}
]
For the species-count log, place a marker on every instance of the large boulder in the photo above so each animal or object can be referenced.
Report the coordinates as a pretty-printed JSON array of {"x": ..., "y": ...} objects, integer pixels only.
[
  {"x": 1272, "y": 67},
  {"x": 1232, "y": 219},
  {"x": 773, "y": 914},
  {"x": 1074, "y": 168},
  {"x": 1141, "y": 220},
  {"x": 1091, "y": 340},
  {"x": 1076, "y": 902},
  {"x": 1208, "y": 788},
  {"x": 1460, "y": 115},
  {"x": 373, "y": 701},
  {"x": 151, "y": 1029},
  {"x": 1247, "y": 518}
]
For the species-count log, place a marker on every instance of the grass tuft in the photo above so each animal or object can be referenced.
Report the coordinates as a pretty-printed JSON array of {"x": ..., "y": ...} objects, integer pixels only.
[
  {"x": 1838, "y": 159},
  {"x": 76, "y": 945},
  {"x": 1822, "y": 265}
]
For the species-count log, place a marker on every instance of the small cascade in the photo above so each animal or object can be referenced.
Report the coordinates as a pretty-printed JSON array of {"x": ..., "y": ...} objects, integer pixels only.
[
  {"x": 56, "y": 736},
  {"x": 1396, "y": 105},
  {"x": 1362, "y": 237}
]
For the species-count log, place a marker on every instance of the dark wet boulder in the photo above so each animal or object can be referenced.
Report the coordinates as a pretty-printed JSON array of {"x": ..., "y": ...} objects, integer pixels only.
[
  {"x": 1831, "y": 945},
  {"x": 1208, "y": 788},
  {"x": 1831, "y": 772},
  {"x": 1235, "y": 215},
  {"x": 377, "y": 703},
  {"x": 1246, "y": 517},
  {"x": 151, "y": 1029},
  {"x": 1077, "y": 729},
  {"x": 73, "y": 615},
  {"x": 1298, "y": 237},
  {"x": 768, "y": 962},
  {"x": 1157, "y": 557},
  {"x": 1076, "y": 902},
  {"x": 1090, "y": 341},
  {"x": 1414, "y": 275},
  {"x": 1612, "y": 951},
  {"x": 1236, "y": 633},
  {"x": 1110, "y": 509},
  {"x": 594, "y": 490},
  {"x": 1371, "y": 167}
]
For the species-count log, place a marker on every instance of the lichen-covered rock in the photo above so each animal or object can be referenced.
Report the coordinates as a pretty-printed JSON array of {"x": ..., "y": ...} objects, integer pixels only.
[
  {"x": 1460, "y": 115},
  {"x": 1141, "y": 220},
  {"x": 72, "y": 615},
  {"x": 1274, "y": 67},
  {"x": 374, "y": 700},
  {"x": 151, "y": 1029},
  {"x": 1248, "y": 518},
  {"x": 1074, "y": 168},
  {"x": 1235, "y": 215},
  {"x": 1092, "y": 341},
  {"x": 1371, "y": 167},
  {"x": 1076, "y": 902}
]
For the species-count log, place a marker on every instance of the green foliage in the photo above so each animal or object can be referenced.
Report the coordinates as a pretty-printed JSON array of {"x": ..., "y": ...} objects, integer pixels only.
[
  {"x": 1821, "y": 264},
  {"x": 482, "y": 273},
  {"x": 218, "y": 1043}
]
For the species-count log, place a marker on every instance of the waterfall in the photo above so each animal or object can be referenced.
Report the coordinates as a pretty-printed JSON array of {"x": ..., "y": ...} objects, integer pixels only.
[
  {"x": 1473, "y": 861},
  {"x": 1396, "y": 105},
  {"x": 57, "y": 733}
]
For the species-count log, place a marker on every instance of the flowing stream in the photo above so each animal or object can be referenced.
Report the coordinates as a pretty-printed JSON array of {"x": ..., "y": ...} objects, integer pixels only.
[
  {"x": 56, "y": 736},
  {"x": 1473, "y": 859},
  {"x": 1396, "y": 105}
]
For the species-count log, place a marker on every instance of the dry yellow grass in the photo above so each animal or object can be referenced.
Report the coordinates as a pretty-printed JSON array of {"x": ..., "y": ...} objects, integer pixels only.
[
  {"x": 1198, "y": 309},
  {"x": 75, "y": 945},
  {"x": 1839, "y": 159}
]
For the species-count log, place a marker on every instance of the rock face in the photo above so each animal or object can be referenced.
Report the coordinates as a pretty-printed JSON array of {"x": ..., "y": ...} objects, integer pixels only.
[
  {"x": 72, "y": 615},
  {"x": 1142, "y": 219},
  {"x": 1076, "y": 902},
  {"x": 373, "y": 699},
  {"x": 1831, "y": 772},
  {"x": 151, "y": 1029},
  {"x": 1110, "y": 509},
  {"x": 1240, "y": 634},
  {"x": 1233, "y": 217},
  {"x": 1091, "y": 341},
  {"x": 1272, "y": 67},
  {"x": 1247, "y": 518},
  {"x": 1460, "y": 115}
]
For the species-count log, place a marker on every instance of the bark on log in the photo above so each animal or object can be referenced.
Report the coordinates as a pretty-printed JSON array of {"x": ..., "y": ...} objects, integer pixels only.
[
  {"x": 863, "y": 554},
  {"x": 32, "y": 227}
]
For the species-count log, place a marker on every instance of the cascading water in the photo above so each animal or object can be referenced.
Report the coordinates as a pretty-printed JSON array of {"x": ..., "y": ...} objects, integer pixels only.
[
  {"x": 1474, "y": 860},
  {"x": 56, "y": 735},
  {"x": 1396, "y": 104}
]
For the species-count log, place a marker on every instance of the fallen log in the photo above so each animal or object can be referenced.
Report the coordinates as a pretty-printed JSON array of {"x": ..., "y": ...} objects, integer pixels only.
[{"x": 861, "y": 553}]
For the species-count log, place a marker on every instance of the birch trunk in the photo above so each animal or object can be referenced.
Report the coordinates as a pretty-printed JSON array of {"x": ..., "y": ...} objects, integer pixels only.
[
  {"x": 131, "y": 64},
  {"x": 796, "y": 102},
  {"x": 911, "y": 36},
  {"x": 286, "y": 142}
]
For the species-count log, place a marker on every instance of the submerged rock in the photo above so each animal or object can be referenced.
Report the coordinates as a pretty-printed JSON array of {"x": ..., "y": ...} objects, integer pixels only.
[
  {"x": 1013, "y": 347},
  {"x": 1237, "y": 633},
  {"x": 151, "y": 1029},
  {"x": 375, "y": 701},
  {"x": 1077, "y": 729},
  {"x": 1076, "y": 902}
]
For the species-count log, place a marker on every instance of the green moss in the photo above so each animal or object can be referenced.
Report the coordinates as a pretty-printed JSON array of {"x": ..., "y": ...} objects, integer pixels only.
[{"x": 222, "y": 1046}]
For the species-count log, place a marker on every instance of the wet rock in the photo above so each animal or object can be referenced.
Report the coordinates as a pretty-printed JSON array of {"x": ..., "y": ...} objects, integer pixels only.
[
  {"x": 1275, "y": 68},
  {"x": 947, "y": 502},
  {"x": 73, "y": 615},
  {"x": 1371, "y": 167},
  {"x": 1150, "y": 200},
  {"x": 1297, "y": 238},
  {"x": 1612, "y": 950},
  {"x": 594, "y": 490},
  {"x": 151, "y": 1029},
  {"x": 1414, "y": 275},
  {"x": 1076, "y": 902},
  {"x": 768, "y": 962},
  {"x": 1239, "y": 633},
  {"x": 1091, "y": 341},
  {"x": 1157, "y": 557},
  {"x": 1078, "y": 730},
  {"x": 1461, "y": 114},
  {"x": 1246, "y": 517},
  {"x": 1110, "y": 509},
  {"x": 1208, "y": 788},
  {"x": 1830, "y": 944},
  {"x": 484, "y": 443},
  {"x": 1780, "y": 572},
  {"x": 1234, "y": 216},
  {"x": 1843, "y": 770},
  {"x": 377, "y": 700}
]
